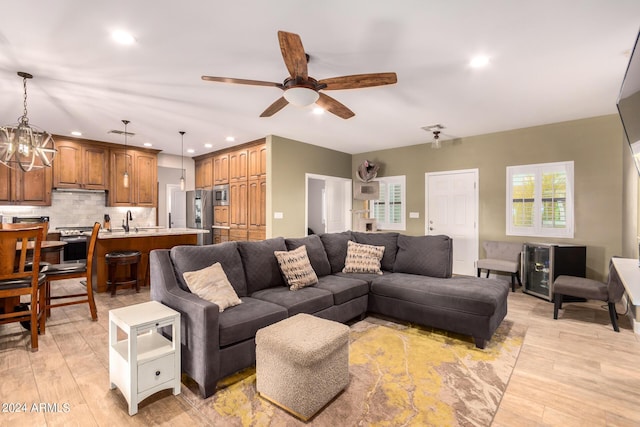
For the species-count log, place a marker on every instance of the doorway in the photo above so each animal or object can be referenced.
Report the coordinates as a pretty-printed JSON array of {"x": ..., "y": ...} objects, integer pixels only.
[
  {"x": 452, "y": 209},
  {"x": 328, "y": 204},
  {"x": 176, "y": 207}
]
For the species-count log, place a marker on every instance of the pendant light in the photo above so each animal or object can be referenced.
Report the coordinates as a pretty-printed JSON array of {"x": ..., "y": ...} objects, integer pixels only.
[
  {"x": 125, "y": 178},
  {"x": 24, "y": 146},
  {"x": 182, "y": 160}
]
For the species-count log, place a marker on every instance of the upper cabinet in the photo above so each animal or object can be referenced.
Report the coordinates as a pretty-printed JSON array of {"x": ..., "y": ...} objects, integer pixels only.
[
  {"x": 238, "y": 164},
  {"x": 141, "y": 166},
  {"x": 31, "y": 188},
  {"x": 221, "y": 169},
  {"x": 204, "y": 173},
  {"x": 257, "y": 161},
  {"x": 81, "y": 165}
]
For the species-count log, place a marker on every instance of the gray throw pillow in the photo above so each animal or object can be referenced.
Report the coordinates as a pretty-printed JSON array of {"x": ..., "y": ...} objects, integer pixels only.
[{"x": 424, "y": 255}]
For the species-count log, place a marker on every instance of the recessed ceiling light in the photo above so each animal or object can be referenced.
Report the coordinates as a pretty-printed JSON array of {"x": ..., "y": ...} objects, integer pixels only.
[
  {"x": 122, "y": 37},
  {"x": 230, "y": 139},
  {"x": 318, "y": 110},
  {"x": 76, "y": 133},
  {"x": 208, "y": 145},
  {"x": 148, "y": 144},
  {"x": 479, "y": 61},
  {"x": 191, "y": 151}
]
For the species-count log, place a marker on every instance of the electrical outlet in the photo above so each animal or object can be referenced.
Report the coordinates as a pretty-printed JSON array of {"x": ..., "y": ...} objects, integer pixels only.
[
  {"x": 414, "y": 214},
  {"x": 278, "y": 215}
]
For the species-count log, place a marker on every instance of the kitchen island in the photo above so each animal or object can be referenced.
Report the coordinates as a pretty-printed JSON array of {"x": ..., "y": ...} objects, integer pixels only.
[{"x": 143, "y": 240}]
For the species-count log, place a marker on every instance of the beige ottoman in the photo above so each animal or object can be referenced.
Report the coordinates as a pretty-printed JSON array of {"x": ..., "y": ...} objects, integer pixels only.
[{"x": 302, "y": 363}]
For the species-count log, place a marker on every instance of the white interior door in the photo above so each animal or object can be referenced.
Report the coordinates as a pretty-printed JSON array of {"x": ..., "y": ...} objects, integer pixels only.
[
  {"x": 452, "y": 210},
  {"x": 176, "y": 206},
  {"x": 333, "y": 199}
]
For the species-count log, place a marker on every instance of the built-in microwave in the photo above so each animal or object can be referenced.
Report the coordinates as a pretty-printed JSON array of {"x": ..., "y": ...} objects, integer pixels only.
[{"x": 221, "y": 195}]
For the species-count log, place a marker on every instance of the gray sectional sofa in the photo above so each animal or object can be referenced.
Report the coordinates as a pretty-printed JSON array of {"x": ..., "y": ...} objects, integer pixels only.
[{"x": 416, "y": 286}]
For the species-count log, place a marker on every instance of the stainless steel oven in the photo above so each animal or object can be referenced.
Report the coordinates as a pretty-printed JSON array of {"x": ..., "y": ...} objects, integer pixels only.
[{"x": 76, "y": 248}]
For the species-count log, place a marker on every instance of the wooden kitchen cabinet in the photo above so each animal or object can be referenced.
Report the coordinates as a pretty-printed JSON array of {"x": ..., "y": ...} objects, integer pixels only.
[
  {"x": 220, "y": 235},
  {"x": 238, "y": 165},
  {"x": 31, "y": 188},
  {"x": 238, "y": 199},
  {"x": 221, "y": 169},
  {"x": 257, "y": 157},
  {"x": 204, "y": 173},
  {"x": 79, "y": 165},
  {"x": 221, "y": 216},
  {"x": 143, "y": 182},
  {"x": 257, "y": 208}
]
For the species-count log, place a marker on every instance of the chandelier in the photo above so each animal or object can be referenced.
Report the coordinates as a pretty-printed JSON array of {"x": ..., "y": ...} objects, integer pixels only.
[{"x": 24, "y": 146}]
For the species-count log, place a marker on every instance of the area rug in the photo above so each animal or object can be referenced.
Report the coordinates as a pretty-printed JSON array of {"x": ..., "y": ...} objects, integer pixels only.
[{"x": 399, "y": 375}]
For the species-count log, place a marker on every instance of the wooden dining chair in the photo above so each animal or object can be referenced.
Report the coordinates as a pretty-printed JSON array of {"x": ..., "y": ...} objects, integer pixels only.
[
  {"x": 22, "y": 225},
  {"x": 55, "y": 272},
  {"x": 16, "y": 281}
]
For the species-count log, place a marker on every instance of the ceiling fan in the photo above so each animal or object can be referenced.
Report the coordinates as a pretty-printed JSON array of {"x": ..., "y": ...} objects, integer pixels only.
[{"x": 301, "y": 89}]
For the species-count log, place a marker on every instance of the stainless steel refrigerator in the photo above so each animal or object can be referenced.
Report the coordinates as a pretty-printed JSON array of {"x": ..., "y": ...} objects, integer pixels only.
[{"x": 200, "y": 213}]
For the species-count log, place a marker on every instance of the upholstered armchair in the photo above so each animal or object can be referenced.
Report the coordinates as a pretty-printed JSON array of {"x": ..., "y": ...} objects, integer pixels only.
[
  {"x": 581, "y": 287},
  {"x": 502, "y": 256}
]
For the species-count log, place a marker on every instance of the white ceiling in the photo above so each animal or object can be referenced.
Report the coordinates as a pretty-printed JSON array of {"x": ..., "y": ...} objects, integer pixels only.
[{"x": 550, "y": 61}]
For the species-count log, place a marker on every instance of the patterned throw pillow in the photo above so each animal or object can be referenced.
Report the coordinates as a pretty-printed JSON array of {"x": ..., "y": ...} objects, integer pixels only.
[
  {"x": 211, "y": 284},
  {"x": 296, "y": 268},
  {"x": 363, "y": 258}
]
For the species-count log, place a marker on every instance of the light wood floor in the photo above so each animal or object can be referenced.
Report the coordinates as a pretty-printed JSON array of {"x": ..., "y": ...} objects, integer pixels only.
[{"x": 573, "y": 371}]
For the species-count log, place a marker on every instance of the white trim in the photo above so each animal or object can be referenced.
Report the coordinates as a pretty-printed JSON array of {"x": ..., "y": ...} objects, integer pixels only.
[
  {"x": 348, "y": 198},
  {"x": 476, "y": 177},
  {"x": 397, "y": 179},
  {"x": 537, "y": 230}
]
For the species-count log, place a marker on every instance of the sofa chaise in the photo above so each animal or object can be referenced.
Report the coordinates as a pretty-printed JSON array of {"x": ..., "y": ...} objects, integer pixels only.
[{"x": 414, "y": 284}]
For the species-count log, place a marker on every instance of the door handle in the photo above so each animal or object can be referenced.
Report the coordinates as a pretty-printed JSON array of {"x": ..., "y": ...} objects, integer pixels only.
[{"x": 430, "y": 228}]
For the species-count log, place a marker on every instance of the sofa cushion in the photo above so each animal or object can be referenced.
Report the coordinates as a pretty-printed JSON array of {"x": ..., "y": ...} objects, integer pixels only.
[
  {"x": 211, "y": 284},
  {"x": 191, "y": 258},
  {"x": 335, "y": 245},
  {"x": 240, "y": 323},
  {"x": 315, "y": 251},
  {"x": 388, "y": 240},
  {"x": 424, "y": 255},
  {"x": 306, "y": 300},
  {"x": 296, "y": 268},
  {"x": 363, "y": 258},
  {"x": 367, "y": 277},
  {"x": 464, "y": 294},
  {"x": 344, "y": 289},
  {"x": 260, "y": 264}
]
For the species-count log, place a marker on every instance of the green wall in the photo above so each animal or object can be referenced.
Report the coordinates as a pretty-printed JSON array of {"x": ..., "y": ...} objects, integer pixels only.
[
  {"x": 288, "y": 161},
  {"x": 594, "y": 145}
]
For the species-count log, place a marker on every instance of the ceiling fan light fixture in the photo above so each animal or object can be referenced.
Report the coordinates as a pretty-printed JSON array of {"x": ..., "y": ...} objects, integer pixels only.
[{"x": 301, "y": 96}]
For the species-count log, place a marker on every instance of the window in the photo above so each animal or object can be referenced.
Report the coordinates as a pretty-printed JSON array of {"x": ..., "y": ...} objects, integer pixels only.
[
  {"x": 389, "y": 209},
  {"x": 540, "y": 200}
]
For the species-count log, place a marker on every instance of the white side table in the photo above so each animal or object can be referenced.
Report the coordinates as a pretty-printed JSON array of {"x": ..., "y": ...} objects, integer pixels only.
[{"x": 145, "y": 362}]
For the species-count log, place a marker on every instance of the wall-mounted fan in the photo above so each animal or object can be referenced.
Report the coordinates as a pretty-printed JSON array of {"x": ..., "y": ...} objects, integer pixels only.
[{"x": 301, "y": 89}]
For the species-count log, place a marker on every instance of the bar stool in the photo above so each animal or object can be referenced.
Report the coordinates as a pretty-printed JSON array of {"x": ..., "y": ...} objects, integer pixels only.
[{"x": 114, "y": 259}]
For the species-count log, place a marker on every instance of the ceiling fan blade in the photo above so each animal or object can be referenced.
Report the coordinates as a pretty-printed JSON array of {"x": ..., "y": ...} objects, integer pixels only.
[
  {"x": 334, "y": 107},
  {"x": 241, "y": 81},
  {"x": 275, "y": 107},
  {"x": 293, "y": 54},
  {"x": 357, "y": 81}
]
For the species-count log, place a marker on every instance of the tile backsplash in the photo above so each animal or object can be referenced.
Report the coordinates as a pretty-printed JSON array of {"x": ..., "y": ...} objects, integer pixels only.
[{"x": 81, "y": 208}]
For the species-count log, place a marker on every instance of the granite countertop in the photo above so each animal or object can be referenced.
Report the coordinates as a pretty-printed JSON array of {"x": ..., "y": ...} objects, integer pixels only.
[{"x": 119, "y": 233}]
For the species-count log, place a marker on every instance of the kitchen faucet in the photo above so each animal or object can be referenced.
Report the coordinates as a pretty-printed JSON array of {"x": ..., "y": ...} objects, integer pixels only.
[{"x": 125, "y": 221}]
